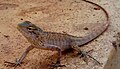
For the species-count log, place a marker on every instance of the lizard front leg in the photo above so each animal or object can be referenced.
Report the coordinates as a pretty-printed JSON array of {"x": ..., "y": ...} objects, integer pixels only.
[
  {"x": 54, "y": 48},
  {"x": 83, "y": 53},
  {"x": 19, "y": 61}
]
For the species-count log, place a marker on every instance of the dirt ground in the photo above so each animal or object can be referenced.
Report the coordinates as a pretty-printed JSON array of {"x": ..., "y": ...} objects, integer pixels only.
[{"x": 70, "y": 16}]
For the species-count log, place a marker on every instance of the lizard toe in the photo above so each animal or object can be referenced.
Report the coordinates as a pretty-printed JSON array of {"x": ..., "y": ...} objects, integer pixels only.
[
  {"x": 10, "y": 64},
  {"x": 56, "y": 65},
  {"x": 85, "y": 56}
]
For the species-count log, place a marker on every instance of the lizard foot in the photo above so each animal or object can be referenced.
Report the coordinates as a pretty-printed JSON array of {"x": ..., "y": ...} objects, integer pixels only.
[
  {"x": 56, "y": 65},
  {"x": 17, "y": 63},
  {"x": 85, "y": 55}
]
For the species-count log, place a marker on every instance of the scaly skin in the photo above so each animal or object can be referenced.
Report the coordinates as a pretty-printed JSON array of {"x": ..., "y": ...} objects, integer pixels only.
[{"x": 56, "y": 41}]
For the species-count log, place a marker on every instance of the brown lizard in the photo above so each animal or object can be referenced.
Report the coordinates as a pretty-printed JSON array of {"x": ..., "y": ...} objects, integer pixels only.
[{"x": 55, "y": 41}]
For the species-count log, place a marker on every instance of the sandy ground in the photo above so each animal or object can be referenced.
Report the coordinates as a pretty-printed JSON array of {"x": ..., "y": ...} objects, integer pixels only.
[{"x": 68, "y": 16}]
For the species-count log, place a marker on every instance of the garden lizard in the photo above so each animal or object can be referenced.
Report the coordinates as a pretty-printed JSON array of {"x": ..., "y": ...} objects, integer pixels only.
[{"x": 55, "y": 41}]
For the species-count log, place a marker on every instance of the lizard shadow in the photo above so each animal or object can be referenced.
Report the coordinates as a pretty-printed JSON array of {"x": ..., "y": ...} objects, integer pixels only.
[{"x": 45, "y": 64}]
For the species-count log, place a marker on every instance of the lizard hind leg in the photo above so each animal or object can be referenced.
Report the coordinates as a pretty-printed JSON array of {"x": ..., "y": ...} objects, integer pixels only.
[
  {"x": 19, "y": 61},
  {"x": 58, "y": 49},
  {"x": 83, "y": 54}
]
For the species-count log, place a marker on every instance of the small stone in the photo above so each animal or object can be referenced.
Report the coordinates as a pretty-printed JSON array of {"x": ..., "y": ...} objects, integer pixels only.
[
  {"x": 85, "y": 28},
  {"x": 6, "y": 36},
  {"x": 21, "y": 18}
]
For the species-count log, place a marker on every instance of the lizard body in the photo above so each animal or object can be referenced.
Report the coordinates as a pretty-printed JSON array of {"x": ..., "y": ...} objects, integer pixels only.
[{"x": 56, "y": 41}]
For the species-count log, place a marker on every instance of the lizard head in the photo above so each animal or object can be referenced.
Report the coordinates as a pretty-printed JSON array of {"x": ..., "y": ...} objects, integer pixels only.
[{"x": 28, "y": 29}]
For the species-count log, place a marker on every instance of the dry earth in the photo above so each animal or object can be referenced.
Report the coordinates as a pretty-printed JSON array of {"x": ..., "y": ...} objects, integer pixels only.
[{"x": 70, "y": 16}]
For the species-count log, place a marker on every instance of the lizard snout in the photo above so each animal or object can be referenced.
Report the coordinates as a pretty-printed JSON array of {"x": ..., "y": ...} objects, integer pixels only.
[{"x": 24, "y": 24}]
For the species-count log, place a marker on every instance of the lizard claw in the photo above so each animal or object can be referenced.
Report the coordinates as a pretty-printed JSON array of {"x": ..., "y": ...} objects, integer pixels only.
[
  {"x": 56, "y": 65},
  {"x": 85, "y": 55},
  {"x": 17, "y": 63}
]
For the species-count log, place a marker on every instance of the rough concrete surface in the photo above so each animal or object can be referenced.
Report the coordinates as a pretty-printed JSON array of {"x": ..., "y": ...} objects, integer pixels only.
[{"x": 70, "y": 16}]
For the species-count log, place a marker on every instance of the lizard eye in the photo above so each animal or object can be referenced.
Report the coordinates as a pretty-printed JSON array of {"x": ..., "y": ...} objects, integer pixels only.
[{"x": 31, "y": 28}]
